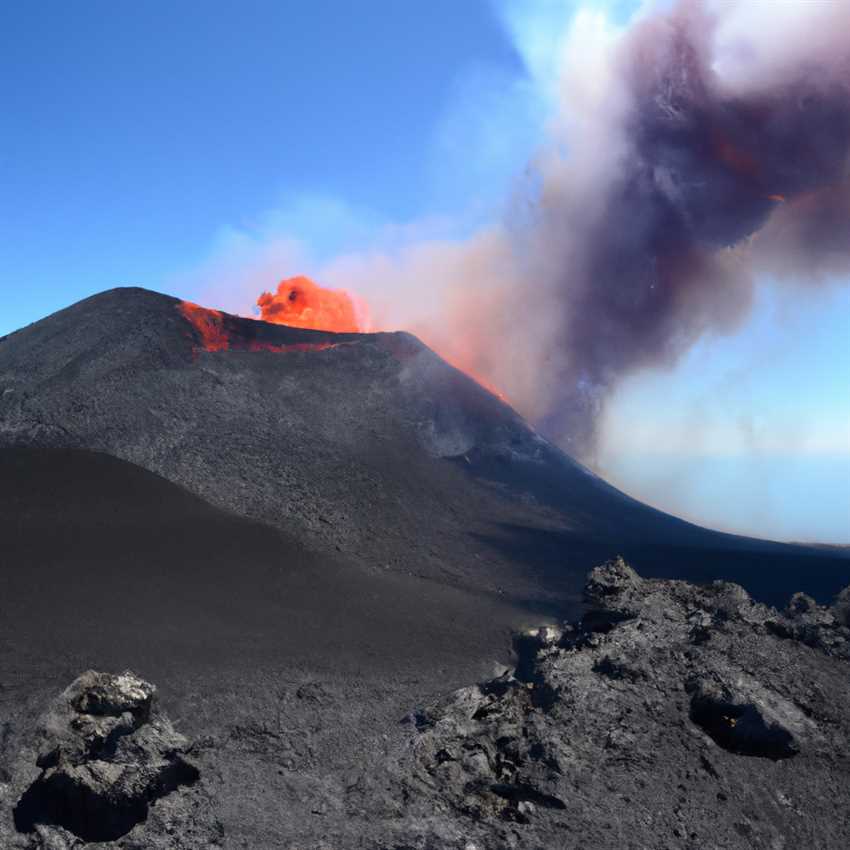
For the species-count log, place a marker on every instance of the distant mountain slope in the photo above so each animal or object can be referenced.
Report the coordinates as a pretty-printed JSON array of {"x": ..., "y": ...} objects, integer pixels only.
[{"x": 365, "y": 444}]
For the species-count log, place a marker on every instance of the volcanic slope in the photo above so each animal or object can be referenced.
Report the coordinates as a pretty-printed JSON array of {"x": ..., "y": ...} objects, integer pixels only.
[
  {"x": 289, "y": 671},
  {"x": 296, "y": 665},
  {"x": 367, "y": 446}
]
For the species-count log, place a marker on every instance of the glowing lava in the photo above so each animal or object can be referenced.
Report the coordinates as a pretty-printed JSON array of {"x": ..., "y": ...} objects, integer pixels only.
[
  {"x": 208, "y": 323},
  {"x": 301, "y": 303}
]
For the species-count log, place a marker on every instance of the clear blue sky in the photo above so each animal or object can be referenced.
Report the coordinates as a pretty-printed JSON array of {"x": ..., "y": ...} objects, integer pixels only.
[
  {"x": 134, "y": 135},
  {"x": 131, "y": 132}
]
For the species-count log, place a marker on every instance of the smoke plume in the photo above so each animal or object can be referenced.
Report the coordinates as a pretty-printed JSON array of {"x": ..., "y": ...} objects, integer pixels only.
[
  {"x": 707, "y": 179},
  {"x": 692, "y": 151},
  {"x": 698, "y": 149}
]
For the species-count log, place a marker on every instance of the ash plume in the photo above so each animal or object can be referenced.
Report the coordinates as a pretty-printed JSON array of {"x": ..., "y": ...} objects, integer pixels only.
[
  {"x": 699, "y": 149},
  {"x": 684, "y": 181}
]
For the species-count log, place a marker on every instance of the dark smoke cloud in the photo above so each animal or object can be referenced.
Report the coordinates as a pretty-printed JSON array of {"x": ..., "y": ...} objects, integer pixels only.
[
  {"x": 687, "y": 155},
  {"x": 711, "y": 184}
]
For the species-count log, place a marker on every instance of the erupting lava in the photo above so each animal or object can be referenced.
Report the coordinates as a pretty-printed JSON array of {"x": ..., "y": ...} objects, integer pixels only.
[
  {"x": 214, "y": 336},
  {"x": 301, "y": 303}
]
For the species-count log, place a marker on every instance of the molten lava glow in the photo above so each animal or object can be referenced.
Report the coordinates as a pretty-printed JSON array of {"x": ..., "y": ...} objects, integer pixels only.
[
  {"x": 301, "y": 303},
  {"x": 285, "y": 349},
  {"x": 208, "y": 323}
]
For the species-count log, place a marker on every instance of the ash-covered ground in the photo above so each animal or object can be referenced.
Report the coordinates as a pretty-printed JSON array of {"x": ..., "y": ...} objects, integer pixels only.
[
  {"x": 308, "y": 552},
  {"x": 669, "y": 716}
]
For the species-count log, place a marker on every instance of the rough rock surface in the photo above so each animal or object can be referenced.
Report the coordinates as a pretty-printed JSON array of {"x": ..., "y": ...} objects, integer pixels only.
[
  {"x": 368, "y": 446},
  {"x": 105, "y": 758},
  {"x": 412, "y": 523},
  {"x": 670, "y": 716}
]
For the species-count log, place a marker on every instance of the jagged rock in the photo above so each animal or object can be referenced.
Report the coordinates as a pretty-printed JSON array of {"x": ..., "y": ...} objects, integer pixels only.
[
  {"x": 841, "y": 607},
  {"x": 671, "y": 716},
  {"x": 818, "y": 626},
  {"x": 106, "y": 754},
  {"x": 613, "y": 585}
]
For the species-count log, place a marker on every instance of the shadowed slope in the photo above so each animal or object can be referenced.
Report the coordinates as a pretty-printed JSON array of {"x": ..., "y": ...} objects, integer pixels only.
[
  {"x": 297, "y": 666},
  {"x": 113, "y": 565}
]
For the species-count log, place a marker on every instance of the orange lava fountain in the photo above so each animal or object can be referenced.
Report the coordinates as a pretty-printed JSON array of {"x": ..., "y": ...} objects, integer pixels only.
[{"x": 301, "y": 303}]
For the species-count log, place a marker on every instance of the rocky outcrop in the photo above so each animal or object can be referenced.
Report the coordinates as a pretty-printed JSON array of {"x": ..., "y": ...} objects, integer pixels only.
[
  {"x": 671, "y": 715},
  {"x": 105, "y": 755}
]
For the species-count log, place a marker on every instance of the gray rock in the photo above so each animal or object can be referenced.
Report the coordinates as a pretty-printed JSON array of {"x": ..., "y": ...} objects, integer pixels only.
[
  {"x": 841, "y": 608},
  {"x": 671, "y": 715},
  {"x": 105, "y": 754}
]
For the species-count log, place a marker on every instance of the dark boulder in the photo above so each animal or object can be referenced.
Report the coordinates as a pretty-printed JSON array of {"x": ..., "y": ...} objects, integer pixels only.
[{"x": 106, "y": 755}]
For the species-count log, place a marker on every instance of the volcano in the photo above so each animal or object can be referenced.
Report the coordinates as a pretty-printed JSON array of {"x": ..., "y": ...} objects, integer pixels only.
[
  {"x": 366, "y": 446},
  {"x": 299, "y": 536}
]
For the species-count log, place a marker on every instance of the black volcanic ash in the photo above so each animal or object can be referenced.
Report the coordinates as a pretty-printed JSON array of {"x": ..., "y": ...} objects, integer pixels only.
[{"x": 701, "y": 182}]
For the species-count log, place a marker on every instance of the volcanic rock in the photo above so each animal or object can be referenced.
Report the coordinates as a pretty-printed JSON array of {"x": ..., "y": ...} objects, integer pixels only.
[
  {"x": 366, "y": 444},
  {"x": 300, "y": 536},
  {"x": 841, "y": 607},
  {"x": 106, "y": 757},
  {"x": 670, "y": 716}
]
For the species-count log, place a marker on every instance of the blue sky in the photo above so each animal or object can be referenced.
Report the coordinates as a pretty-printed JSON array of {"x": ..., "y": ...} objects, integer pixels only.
[
  {"x": 132, "y": 132},
  {"x": 139, "y": 142},
  {"x": 750, "y": 432}
]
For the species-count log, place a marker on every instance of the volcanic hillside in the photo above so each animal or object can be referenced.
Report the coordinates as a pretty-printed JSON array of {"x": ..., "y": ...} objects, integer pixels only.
[
  {"x": 302, "y": 538},
  {"x": 366, "y": 446}
]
